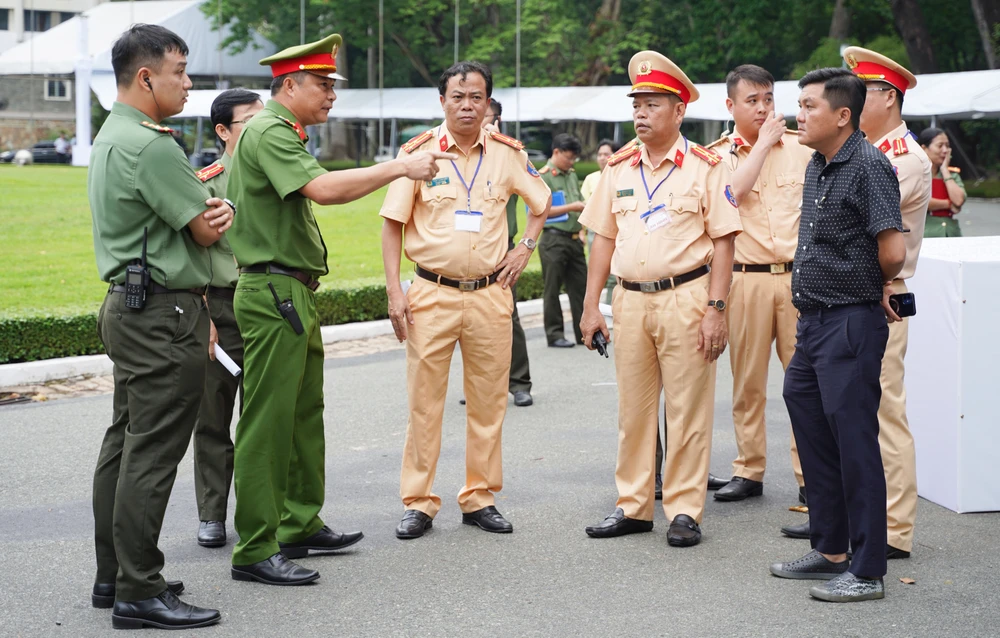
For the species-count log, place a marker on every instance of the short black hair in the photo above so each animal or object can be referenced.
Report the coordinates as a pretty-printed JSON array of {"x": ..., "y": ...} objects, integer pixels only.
[
  {"x": 496, "y": 107},
  {"x": 928, "y": 134},
  {"x": 225, "y": 102},
  {"x": 566, "y": 142},
  {"x": 142, "y": 45},
  {"x": 841, "y": 88},
  {"x": 606, "y": 142},
  {"x": 298, "y": 76},
  {"x": 749, "y": 73},
  {"x": 464, "y": 69}
]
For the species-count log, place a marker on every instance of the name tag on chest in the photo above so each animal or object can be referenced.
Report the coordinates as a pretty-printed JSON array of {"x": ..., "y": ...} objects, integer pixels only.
[
  {"x": 469, "y": 221},
  {"x": 656, "y": 217}
]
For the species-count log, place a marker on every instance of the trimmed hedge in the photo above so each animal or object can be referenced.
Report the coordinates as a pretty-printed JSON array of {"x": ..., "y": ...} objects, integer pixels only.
[{"x": 34, "y": 338}]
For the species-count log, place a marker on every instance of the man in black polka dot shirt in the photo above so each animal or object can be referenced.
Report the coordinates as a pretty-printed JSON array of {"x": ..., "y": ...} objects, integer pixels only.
[{"x": 850, "y": 244}]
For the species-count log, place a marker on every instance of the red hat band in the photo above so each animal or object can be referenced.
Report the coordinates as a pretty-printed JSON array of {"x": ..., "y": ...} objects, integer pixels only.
[
  {"x": 869, "y": 71},
  {"x": 314, "y": 62},
  {"x": 662, "y": 82}
]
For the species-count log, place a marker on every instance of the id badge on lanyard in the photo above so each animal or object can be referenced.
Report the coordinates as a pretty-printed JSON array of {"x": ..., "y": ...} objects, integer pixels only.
[
  {"x": 657, "y": 216},
  {"x": 468, "y": 220}
]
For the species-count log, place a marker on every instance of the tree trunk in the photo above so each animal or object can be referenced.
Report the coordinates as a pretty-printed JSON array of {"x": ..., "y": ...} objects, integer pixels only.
[
  {"x": 605, "y": 21},
  {"x": 912, "y": 28},
  {"x": 414, "y": 60},
  {"x": 840, "y": 25},
  {"x": 985, "y": 24}
]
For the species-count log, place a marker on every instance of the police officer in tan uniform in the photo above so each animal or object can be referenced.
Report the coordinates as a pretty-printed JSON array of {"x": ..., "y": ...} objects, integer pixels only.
[
  {"x": 456, "y": 234},
  {"x": 665, "y": 218}
]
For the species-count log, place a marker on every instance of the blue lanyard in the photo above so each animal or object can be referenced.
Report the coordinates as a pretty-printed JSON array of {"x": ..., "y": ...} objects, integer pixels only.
[
  {"x": 649, "y": 195},
  {"x": 468, "y": 186}
]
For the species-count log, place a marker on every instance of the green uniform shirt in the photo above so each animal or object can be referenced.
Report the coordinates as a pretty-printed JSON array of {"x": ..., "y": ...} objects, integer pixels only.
[
  {"x": 224, "y": 271},
  {"x": 274, "y": 222},
  {"x": 569, "y": 184},
  {"x": 139, "y": 178},
  {"x": 512, "y": 216}
]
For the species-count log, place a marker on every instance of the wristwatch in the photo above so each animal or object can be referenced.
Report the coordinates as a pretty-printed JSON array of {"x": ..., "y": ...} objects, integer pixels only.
[
  {"x": 528, "y": 242},
  {"x": 718, "y": 304}
]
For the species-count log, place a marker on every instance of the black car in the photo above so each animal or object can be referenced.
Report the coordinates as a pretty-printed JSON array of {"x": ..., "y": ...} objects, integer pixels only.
[{"x": 45, "y": 153}]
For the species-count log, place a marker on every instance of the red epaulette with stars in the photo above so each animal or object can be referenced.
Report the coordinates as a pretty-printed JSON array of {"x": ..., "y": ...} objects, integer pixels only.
[
  {"x": 158, "y": 128},
  {"x": 899, "y": 146},
  {"x": 706, "y": 154},
  {"x": 209, "y": 172},
  {"x": 301, "y": 132},
  {"x": 632, "y": 148},
  {"x": 417, "y": 141},
  {"x": 517, "y": 145}
]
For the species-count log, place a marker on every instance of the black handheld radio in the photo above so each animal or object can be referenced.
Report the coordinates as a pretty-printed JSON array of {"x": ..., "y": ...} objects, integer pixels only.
[
  {"x": 600, "y": 343},
  {"x": 137, "y": 279},
  {"x": 287, "y": 311}
]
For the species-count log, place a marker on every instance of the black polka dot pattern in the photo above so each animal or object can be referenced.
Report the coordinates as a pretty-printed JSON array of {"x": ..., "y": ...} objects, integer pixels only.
[{"x": 845, "y": 204}]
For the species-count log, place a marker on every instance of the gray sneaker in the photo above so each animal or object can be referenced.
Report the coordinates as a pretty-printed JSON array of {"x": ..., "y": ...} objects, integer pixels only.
[
  {"x": 812, "y": 566},
  {"x": 848, "y": 588}
]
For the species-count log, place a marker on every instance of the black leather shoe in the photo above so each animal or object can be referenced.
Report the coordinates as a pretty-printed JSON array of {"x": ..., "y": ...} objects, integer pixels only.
[
  {"x": 488, "y": 519},
  {"x": 658, "y": 493},
  {"x": 276, "y": 570},
  {"x": 561, "y": 343},
  {"x": 739, "y": 488},
  {"x": 893, "y": 552},
  {"x": 617, "y": 524},
  {"x": 325, "y": 540},
  {"x": 714, "y": 482},
  {"x": 461, "y": 401},
  {"x": 802, "y": 495},
  {"x": 683, "y": 532},
  {"x": 414, "y": 524},
  {"x": 523, "y": 399},
  {"x": 212, "y": 534},
  {"x": 796, "y": 531},
  {"x": 103, "y": 596},
  {"x": 165, "y": 611}
]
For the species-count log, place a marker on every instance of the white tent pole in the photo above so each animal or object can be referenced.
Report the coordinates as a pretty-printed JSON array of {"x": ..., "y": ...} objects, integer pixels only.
[
  {"x": 457, "y": 2},
  {"x": 81, "y": 150},
  {"x": 517, "y": 75},
  {"x": 302, "y": 21},
  {"x": 381, "y": 49}
]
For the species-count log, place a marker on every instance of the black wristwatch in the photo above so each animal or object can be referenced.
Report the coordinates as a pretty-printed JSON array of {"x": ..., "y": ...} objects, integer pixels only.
[{"x": 718, "y": 304}]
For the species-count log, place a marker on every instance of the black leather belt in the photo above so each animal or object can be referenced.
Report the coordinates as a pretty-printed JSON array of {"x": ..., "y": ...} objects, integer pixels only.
[
  {"x": 560, "y": 231},
  {"x": 464, "y": 286},
  {"x": 664, "y": 284},
  {"x": 156, "y": 289},
  {"x": 307, "y": 280},
  {"x": 214, "y": 292},
  {"x": 774, "y": 269}
]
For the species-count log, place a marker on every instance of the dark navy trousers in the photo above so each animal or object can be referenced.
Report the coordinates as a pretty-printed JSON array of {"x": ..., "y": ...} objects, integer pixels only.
[{"x": 832, "y": 392}]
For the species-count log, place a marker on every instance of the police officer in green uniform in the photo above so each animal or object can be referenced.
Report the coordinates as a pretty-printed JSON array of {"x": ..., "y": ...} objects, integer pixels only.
[
  {"x": 153, "y": 323},
  {"x": 279, "y": 457},
  {"x": 560, "y": 248},
  {"x": 213, "y": 447}
]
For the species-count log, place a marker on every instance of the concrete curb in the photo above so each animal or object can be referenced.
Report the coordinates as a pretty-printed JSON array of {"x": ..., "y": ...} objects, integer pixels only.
[{"x": 36, "y": 372}]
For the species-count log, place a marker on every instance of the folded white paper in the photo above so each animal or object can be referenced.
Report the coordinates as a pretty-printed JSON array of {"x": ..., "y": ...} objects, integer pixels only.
[{"x": 227, "y": 361}]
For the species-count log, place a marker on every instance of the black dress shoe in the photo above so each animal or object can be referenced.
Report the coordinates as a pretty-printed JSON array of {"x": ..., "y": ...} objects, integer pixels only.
[
  {"x": 461, "y": 401},
  {"x": 683, "y": 532},
  {"x": 165, "y": 611},
  {"x": 414, "y": 524},
  {"x": 658, "y": 491},
  {"x": 212, "y": 534},
  {"x": 561, "y": 343},
  {"x": 325, "y": 540},
  {"x": 894, "y": 552},
  {"x": 617, "y": 524},
  {"x": 739, "y": 488},
  {"x": 523, "y": 399},
  {"x": 103, "y": 596},
  {"x": 488, "y": 519},
  {"x": 802, "y": 495},
  {"x": 714, "y": 482},
  {"x": 796, "y": 531},
  {"x": 276, "y": 570}
]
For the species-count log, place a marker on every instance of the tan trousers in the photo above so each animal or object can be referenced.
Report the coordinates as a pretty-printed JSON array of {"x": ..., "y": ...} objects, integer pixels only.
[
  {"x": 656, "y": 340},
  {"x": 760, "y": 313},
  {"x": 480, "y": 322},
  {"x": 898, "y": 455}
]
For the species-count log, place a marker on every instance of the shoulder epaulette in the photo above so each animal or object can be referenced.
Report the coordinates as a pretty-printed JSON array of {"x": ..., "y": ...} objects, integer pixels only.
[
  {"x": 899, "y": 147},
  {"x": 721, "y": 140},
  {"x": 545, "y": 169},
  {"x": 301, "y": 132},
  {"x": 954, "y": 169},
  {"x": 632, "y": 148},
  {"x": 210, "y": 171},
  {"x": 417, "y": 141},
  {"x": 517, "y": 145},
  {"x": 708, "y": 155},
  {"x": 158, "y": 128}
]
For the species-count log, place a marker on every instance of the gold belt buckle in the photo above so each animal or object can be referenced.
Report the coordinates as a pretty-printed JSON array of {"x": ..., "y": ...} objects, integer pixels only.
[
  {"x": 778, "y": 269},
  {"x": 647, "y": 286},
  {"x": 468, "y": 286}
]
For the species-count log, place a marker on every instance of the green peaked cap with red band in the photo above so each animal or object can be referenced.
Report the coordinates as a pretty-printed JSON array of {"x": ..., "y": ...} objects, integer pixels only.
[{"x": 319, "y": 58}]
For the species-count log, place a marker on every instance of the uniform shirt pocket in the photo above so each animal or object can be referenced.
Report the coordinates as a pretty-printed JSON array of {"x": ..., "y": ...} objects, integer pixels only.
[
  {"x": 686, "y": 221},
  {"x": 789, "y": 190},
  {"x": 441, "y": 202},
  {"x": 624, "y": 210}
]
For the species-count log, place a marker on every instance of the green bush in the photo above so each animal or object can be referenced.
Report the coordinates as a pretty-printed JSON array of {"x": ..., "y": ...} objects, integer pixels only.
[
  {"x": 989, "y": 188},
  {"x": 339, "y": 165}
]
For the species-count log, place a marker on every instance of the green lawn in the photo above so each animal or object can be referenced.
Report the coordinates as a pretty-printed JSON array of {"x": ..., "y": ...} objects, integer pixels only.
[{"x": 49, "y": 252}]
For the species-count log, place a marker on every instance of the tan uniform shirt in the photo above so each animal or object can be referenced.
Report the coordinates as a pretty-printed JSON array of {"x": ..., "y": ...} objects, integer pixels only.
[
  {"x": 589, "y": 185},
  {"x": 913, "y": 169},
  {"x": 428, "y": 209},
  {"x": 694, "y": 197},
  {"x": 770, "y": 211}
]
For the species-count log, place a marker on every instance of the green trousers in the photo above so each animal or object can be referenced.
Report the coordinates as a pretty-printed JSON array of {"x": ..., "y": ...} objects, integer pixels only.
[
  {"x": 942, "y": 227},
  {"x": 213, "y": 446},
  {"x": 520, "y": 374},
  {"x": 280, "y": 451},
  {"x": 563, "y": 264},
  {"x": 609, "y": 286},
  {"x": 159, "y": 356}
]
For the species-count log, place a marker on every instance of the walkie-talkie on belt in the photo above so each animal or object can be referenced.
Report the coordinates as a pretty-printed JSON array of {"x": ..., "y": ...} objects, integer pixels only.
[
  {"x": 287, "y": 311},
  {"x": 137, "y": 279}
]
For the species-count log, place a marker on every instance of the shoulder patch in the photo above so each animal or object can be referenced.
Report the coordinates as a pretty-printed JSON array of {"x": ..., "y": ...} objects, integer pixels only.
[
  {"x": 721, "y": 140},
  {"x": 158, "y": 128},
  {"x": 899, "y": 147},
  {"x": 706, "y": 154},
  {"x": 417, "y": 141},
  {"x": 301, "y": 132},
  {"x": 632, "y": 148},
  {"x": 210, "y": 171},
  {"x": 509, "y": 141},
  {"x": 954, "y": 169}
]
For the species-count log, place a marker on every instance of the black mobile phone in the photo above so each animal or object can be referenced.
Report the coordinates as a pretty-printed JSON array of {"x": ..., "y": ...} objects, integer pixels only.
[{"x": 904, "y": 305}]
